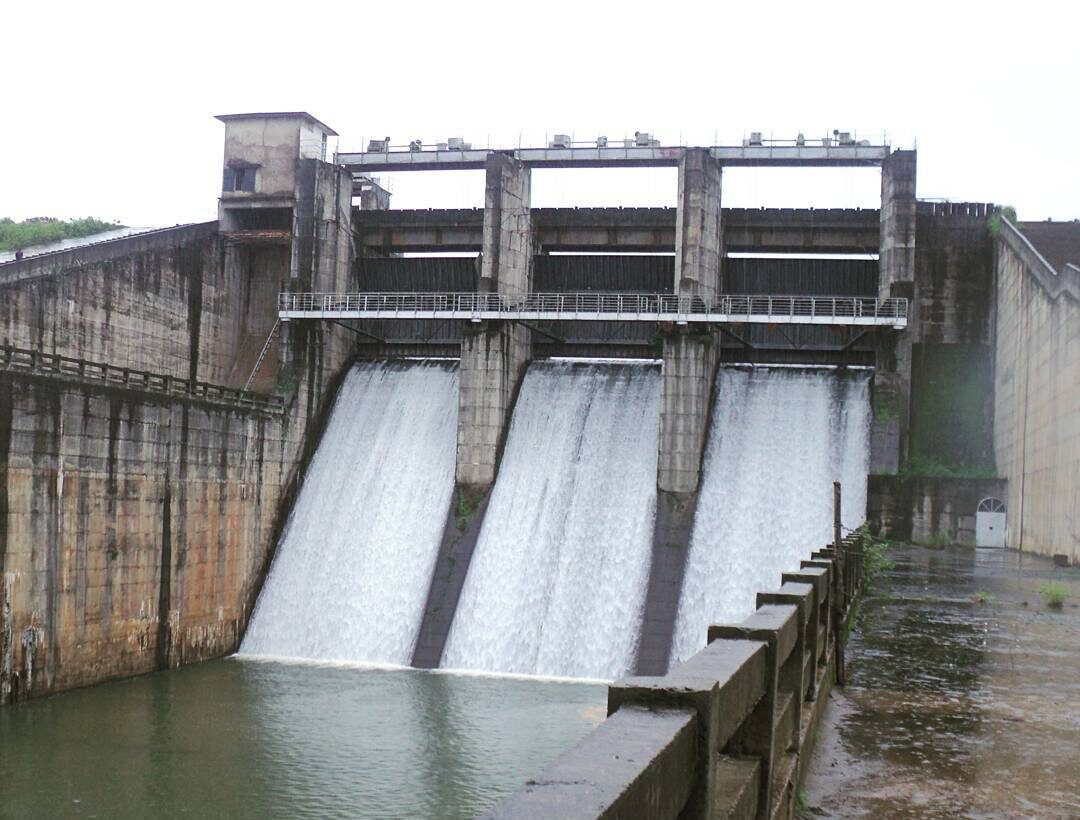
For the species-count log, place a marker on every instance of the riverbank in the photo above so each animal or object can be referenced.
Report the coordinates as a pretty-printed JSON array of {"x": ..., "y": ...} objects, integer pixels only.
[{"x": 963, "y": 695}]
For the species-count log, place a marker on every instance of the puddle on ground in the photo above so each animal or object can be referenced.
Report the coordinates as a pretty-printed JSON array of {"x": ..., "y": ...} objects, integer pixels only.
[{"x": 963, "y": 696}]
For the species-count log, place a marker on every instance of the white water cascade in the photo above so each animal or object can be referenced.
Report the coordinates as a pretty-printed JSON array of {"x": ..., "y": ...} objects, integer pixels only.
[
  {"x": 557, "y": 582},
  {"x": 778, "y": 440},
  {"x": 352, "y": 571}
]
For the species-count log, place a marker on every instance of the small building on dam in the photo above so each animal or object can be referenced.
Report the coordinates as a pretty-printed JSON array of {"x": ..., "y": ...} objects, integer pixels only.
[{"x": 510, "y": 438}]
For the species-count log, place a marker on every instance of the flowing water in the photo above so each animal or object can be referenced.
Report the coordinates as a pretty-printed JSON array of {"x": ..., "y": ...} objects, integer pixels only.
[
  {"x": 352, "y": 571},
  {"x": 778, "y": 440},
  {"x": 254, "y": 739},
  {"x": 558, "y": 578}
]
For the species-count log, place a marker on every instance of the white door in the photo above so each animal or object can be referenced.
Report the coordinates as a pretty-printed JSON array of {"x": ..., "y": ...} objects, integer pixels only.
[{"x": 990, "y": 523}]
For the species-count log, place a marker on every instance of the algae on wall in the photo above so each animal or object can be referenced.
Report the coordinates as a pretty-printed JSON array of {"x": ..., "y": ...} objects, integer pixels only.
[{"x": 952, "y": 411}]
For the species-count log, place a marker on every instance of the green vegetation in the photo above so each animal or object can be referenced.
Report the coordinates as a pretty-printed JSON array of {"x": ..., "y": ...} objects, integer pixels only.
[
  {"x": 800, "y": 801},
  {"x": 1053, "y": 594},
  {"x": 923, "y": 466},
  {"x": 467, "y": 500},
  {"x": 875, "y": 559},
  {"x": 15, "y": 236},
  {"x": 1008, "y": 212},
  {"x": 937, "y": 540},
  {"x": 288, "y": 380},
  {"x": 983, "y": 597},
  {"x": 886, "y": 405}
]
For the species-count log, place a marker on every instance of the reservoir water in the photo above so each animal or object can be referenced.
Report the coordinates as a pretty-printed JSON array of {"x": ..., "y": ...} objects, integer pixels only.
[{"x": 257, "y": 739}]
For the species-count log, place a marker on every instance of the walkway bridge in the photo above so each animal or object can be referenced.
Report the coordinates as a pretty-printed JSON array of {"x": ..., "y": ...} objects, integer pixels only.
[{"x": 600, "y": 307}]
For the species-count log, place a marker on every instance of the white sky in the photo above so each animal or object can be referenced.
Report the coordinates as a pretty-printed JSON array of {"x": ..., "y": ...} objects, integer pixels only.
[{"x": 108, "y": 106}]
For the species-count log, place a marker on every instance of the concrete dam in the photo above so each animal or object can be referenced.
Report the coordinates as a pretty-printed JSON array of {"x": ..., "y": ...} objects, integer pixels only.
[{"x": 563, "y": 511}]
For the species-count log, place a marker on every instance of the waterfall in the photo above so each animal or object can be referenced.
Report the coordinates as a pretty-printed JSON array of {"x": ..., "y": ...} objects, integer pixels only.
[
  {"x": 779, "y": 438},
  {"x": 352, "y": 570},
  {"x": 558, "y": 578}
]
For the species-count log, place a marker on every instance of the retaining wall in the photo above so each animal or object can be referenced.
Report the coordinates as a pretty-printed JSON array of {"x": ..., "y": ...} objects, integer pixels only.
[
  {"x": 1037, "y": 396},
  {"x": 136, "y": 524},
  {"x": 725, "y": 733},
  {"x": 927, "y": 509}
]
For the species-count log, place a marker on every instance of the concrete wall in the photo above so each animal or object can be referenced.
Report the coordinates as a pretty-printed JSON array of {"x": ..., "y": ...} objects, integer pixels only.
[
  {"x": 1037, "y": 397},
  {"x": 137, "y": 525},
  {"x": 928, "y": 510},
  {"x": 135, "y": 528},
  {"x": 167, "y": 302},
  {"x": 940, "y": 256},
  {"x": 273, "y": 144},
  {"x": 954, "y": 273}
]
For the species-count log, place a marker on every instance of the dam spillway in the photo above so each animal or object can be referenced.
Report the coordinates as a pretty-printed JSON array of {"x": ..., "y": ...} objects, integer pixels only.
[
  {"x": 779, "y": 438},
  {"x": 557, "y": 581},
  {"x": 351, "y": 572}
]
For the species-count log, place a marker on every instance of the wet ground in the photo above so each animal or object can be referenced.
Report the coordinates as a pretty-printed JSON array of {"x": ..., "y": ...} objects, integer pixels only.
[{"x": 963, "y": 695}]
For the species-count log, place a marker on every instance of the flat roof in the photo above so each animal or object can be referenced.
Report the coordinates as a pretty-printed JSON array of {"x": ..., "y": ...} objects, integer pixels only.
[{"x": 279, "y": 115}]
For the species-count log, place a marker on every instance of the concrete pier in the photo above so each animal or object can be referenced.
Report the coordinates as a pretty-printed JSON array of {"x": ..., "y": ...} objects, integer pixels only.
[
  {"x": 507, "y": 237},
  {"x": 690, "y": 359},
  {"x": 494, "y": 354},
  {"x": 689, "y": 369},
  {"x": 892, "y": 382},
  {"x": 698, "y": 232},
  {"x": 493, "y": 358}
]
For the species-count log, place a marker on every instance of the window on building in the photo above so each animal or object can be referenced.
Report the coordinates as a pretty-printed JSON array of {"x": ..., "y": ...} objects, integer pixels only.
[{"x": 241, "y": 178}]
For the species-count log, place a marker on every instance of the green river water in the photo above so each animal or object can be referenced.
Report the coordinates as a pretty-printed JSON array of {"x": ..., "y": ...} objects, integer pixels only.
[{"x": 256, "y": 739}]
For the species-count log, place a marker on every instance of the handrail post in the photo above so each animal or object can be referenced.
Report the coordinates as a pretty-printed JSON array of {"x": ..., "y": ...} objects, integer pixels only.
[{"x": 840, "y": 609}]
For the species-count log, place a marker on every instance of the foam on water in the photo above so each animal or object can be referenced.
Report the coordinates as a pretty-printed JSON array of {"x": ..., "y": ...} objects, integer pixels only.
[
  {"x": 558, "y": 578},
  {"x": 779, "y": 438},
  {"x": 352, "y": 571}
]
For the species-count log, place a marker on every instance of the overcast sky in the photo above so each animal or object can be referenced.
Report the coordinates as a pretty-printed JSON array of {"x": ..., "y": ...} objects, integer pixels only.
[{"x": 108, "y": 106}]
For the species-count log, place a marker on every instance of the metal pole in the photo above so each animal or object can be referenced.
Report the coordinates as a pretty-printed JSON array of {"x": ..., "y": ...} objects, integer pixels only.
[{"x": 839, "y": 609}]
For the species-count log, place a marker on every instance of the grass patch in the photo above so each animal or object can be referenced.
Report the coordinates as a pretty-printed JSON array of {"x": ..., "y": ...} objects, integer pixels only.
[
  {"x": 1053, "y": 594},
  {"x": 15, "y": 236},
  {"x": 983, "y": 597}
]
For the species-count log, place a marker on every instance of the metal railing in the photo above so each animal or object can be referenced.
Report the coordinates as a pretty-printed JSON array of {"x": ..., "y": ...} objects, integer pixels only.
[
  {"x": 49, "y": 364},
  {"x": 597, "y": 307}
]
